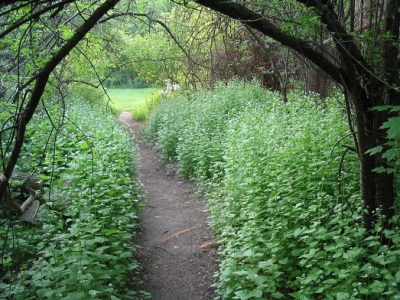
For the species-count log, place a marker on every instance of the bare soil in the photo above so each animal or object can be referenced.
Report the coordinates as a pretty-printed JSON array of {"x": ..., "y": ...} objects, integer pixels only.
[{"x": 174, "y": 267}]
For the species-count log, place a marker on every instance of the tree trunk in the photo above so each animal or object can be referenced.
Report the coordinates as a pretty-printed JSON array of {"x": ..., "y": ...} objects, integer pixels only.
[{"x": 377, "y": 189}]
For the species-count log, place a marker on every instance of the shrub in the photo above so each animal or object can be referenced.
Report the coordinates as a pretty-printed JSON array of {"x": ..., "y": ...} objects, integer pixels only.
[
  {"x": 284, "y": 198},
  {"x": 81, "y": 246},
  {"x": 191, "y": 128}
]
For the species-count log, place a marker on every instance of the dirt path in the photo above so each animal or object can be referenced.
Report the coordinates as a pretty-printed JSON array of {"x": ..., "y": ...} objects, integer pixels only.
[{"x": 174, "y": 227}]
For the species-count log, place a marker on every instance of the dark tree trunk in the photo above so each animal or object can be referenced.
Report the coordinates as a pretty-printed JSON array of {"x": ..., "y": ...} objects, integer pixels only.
[
  {"x": 376, "y": 188},
  {"x": 367, "y": 165}
]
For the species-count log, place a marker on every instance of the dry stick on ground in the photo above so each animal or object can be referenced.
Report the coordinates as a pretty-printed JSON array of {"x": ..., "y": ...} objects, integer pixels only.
[{"x": 179, "y": 233}]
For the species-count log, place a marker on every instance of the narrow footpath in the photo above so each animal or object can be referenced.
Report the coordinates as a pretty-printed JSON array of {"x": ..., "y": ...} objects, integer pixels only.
[{"x": 174, "y": 266}]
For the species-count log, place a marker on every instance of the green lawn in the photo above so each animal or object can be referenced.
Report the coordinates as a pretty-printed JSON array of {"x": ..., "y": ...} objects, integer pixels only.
[{"x": 129, "y": 99}]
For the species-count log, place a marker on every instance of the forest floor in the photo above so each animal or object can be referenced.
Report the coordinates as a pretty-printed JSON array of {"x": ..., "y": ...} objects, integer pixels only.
[{"x": 174, "y": 223}]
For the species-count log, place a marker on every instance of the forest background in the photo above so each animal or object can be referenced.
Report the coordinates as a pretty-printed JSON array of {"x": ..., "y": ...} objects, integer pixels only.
[{"x": 56, "y": 51}]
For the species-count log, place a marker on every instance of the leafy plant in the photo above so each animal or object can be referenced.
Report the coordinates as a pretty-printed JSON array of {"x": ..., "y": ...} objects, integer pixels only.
[
  {"x": 81, "y": 246},
  {"x": 283, "y": 194},
  {"x": 390, "y": 149}
]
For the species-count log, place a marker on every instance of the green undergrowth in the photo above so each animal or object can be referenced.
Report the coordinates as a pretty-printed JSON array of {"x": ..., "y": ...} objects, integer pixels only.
[
  {"x": 191, "y": 128},
  {"x": 283, "y": 198},
  {"x": 81, "y": 245}
]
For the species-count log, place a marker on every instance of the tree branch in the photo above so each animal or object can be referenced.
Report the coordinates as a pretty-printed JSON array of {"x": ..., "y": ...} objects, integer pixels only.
[
  {"x": 42, "y": 78},
  {"x": 162, "y": 25},
  {"x": 26, "y": 19},
  {"x": 391, "y": 43},
  {"x": 260, "y": 23},
  {"x": 345, "y": 43}
]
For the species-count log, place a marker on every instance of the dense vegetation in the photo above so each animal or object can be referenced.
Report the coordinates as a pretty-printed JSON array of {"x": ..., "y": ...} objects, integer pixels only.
[
  {"x": 126, "y": 79},
  {"x": 353, "y": 44},
  {"x": 258, "y": 157},
  {"x": 81, "y": 245},
  {"x": 284, "y": 193}
]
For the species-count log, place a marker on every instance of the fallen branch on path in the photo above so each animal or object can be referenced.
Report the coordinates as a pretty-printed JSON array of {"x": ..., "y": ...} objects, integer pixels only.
[{"x": 179, "y": 233}]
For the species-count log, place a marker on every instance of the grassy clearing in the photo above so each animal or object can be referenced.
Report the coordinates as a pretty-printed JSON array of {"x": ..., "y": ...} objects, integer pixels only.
[
  {"x": 132, "y": 100},
  {"x": 289, "y": 228}
]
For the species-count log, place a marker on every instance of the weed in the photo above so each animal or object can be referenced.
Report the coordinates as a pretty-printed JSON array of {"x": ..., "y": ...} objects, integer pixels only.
[
  {"x": 287, "y": 225},
  {"x": 81, "y": 246}
]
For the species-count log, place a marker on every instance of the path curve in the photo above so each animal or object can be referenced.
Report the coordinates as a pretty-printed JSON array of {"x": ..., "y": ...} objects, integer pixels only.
[{"x": 174, "y": 267}]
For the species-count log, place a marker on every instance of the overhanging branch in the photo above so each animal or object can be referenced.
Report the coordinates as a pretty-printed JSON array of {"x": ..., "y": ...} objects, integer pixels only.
[
  {"x": 259, "y": 22},
  {"x": 41, "y": 80},
  {"x": 162, "y": 24}
]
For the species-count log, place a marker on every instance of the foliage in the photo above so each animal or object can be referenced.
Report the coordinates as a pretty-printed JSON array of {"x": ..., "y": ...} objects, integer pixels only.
[
  {"x": 155, "y": 56},
  {"x": 182, "y": 45},
  {"x": 127, "y": 79},
  {"x": 356, "y": 43},
  {"x": 284, "y": 201},
  {"x": 81, "y": 245},
  {"x": 92, "y": 94},
  {"x": 141, "y": 112},
  {"x": 390, "y": 149},
  {"x": 37, "y": 37},
  {"x": 191, "y": 128}
]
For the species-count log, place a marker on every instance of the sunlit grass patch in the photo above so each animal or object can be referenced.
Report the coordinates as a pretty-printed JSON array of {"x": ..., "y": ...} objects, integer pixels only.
[{"x": 130, "y": 99}]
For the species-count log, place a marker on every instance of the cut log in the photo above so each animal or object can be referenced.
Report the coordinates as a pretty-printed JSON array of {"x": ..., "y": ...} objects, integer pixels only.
[
  {"x": 29, "y": 208},
  {"x": 28, "y": 202},
  {"x": 30, "y": 214}
]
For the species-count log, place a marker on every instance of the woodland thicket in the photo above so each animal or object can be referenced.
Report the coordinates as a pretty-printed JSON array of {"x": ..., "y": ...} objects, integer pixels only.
[{"x": 338, "y": 150}]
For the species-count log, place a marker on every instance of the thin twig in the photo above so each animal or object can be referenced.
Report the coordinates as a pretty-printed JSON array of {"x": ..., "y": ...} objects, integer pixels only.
[{"x": 179, "y": 233}]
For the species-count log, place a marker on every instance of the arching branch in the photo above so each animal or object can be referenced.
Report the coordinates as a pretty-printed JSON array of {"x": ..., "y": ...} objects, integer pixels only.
[
  {"x": 260, "y": 23},
  {"x": 41, "y": 80}
]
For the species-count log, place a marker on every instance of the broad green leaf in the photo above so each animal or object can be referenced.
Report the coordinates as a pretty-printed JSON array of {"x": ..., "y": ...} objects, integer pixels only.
[
  {"x": 378, "y": 287},
  {"x": 393, "y": 127},
  {"x": 277, "y": 295},
  {"x": 375, "y": 150},
  {"x": 111, "y": 232},
  {"x": 398, "y": 277},
  {"x": 297, "y": 232},
  {"x": 244, "y": 294},
  {"x": 342, "y": 296},
  {"x": 241, "y": 273},
  {"x": 265, "y": 264},
  {"x": 75, "y": 296}
]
